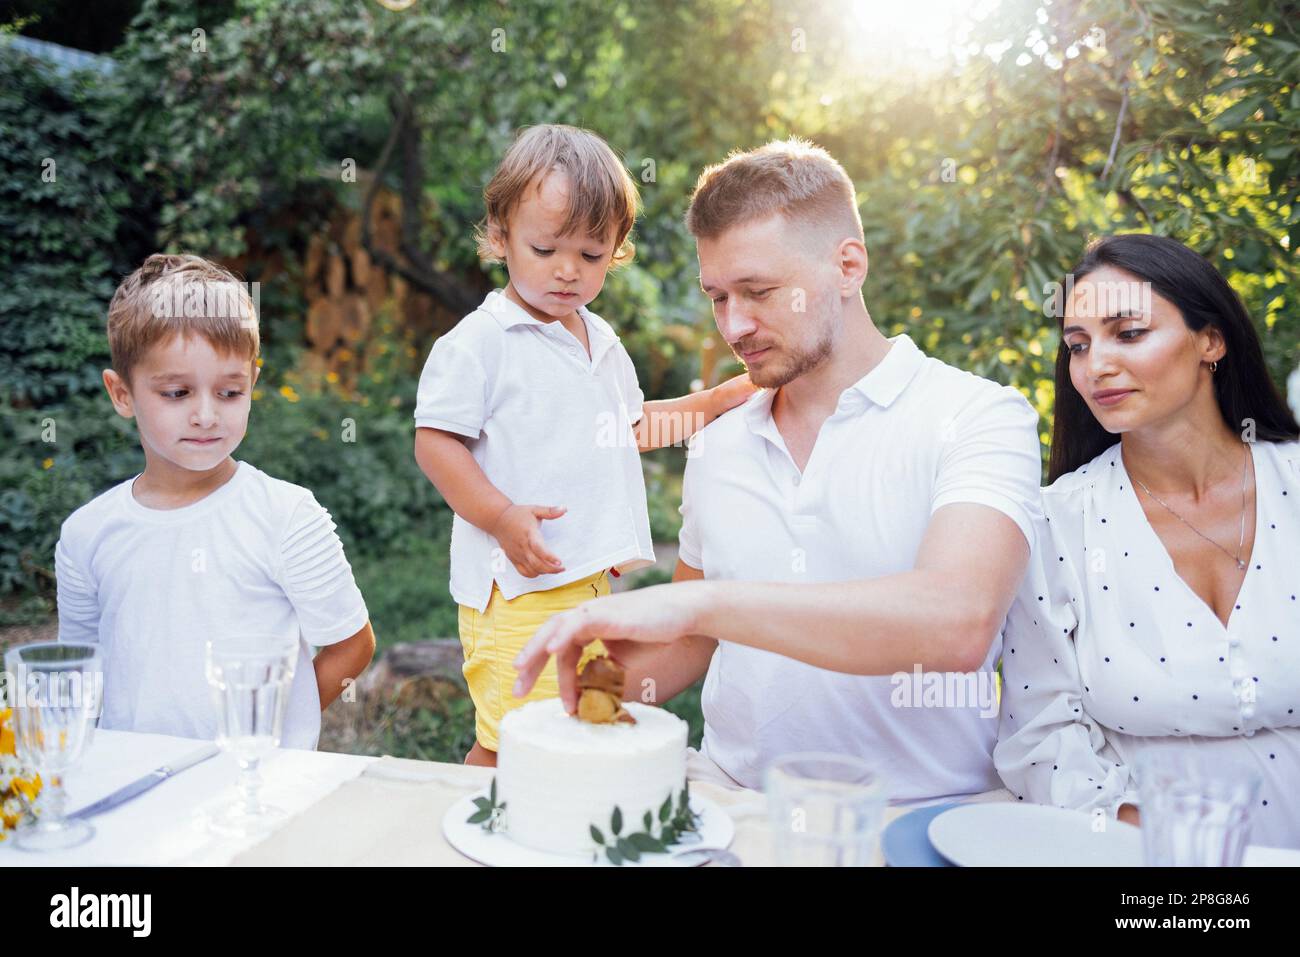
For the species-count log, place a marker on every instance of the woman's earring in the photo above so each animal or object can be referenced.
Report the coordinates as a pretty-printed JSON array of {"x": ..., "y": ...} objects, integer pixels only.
[{"x": 1214, "y": 367}]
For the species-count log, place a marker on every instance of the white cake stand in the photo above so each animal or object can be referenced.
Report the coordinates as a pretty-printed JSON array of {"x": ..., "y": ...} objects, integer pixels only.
[{"x": 716, "y": 829}]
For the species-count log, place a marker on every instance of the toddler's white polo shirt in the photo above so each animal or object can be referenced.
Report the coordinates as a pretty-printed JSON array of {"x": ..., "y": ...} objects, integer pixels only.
[{"x": 548, "y": 426}]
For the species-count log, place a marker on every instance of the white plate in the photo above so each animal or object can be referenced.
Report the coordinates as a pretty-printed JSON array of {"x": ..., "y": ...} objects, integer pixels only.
[
  {"x": 1033, "y": 835},
  {"x": 497, "y": 850}
]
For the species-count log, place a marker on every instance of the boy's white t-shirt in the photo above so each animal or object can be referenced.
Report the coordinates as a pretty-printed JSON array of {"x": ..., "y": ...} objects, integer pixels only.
[
  {"x": 258, "y": 555},
  {"x": 549, "y": 426}
]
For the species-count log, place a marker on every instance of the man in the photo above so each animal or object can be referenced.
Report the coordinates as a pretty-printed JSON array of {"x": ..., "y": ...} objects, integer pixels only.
[{"x": 867, "y": 515}]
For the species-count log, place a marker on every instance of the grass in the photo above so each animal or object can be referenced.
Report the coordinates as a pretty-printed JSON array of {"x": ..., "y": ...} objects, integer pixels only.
[
  {"x": 406, "y": 590},
  {"x": 26, "y": 611}
]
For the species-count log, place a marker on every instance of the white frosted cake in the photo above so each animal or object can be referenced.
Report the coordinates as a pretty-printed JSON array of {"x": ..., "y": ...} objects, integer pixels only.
[{"x": 559, "y": 776}]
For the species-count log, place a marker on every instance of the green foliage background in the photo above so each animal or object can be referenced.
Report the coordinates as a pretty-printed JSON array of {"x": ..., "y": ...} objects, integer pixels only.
[{"x": 981, "y": 179}]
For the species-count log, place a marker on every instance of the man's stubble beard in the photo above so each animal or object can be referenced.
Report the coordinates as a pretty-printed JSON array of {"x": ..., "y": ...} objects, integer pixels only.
[{"x": 799, "y": 364}]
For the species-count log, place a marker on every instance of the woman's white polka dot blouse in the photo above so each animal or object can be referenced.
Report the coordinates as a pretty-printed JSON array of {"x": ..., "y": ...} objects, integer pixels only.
[{"x": 1107, "y": 652}]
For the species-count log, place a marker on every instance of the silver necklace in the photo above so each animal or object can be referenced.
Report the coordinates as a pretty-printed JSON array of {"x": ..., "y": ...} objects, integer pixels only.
[{"x": 1237, "y": 557}]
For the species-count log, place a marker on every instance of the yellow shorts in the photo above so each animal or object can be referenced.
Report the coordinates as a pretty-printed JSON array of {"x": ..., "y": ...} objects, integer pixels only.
[{"x": 492, "y": 638}]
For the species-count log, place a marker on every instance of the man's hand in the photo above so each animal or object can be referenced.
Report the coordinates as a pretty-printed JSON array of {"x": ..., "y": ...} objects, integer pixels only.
[
  {"x": 518, "y": 530},
  {"x": 656, "y": 615}
]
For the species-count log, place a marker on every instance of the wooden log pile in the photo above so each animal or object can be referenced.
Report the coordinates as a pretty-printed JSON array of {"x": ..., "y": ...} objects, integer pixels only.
[{"x": 345, "y": 290}]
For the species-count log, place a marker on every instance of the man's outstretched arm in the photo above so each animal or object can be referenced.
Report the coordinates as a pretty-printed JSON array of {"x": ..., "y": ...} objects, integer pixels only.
[{"x": 942, "y": 615}]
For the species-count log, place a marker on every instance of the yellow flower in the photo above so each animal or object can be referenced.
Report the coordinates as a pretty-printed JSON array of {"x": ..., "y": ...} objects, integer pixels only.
[
  {"x": 48, "y": 463},
  {"x": 19, "y": 791},
  {"x": 331, "y": 377},
  {"x": 28, "y": 787},
  {"x": 288, "y": 393}
]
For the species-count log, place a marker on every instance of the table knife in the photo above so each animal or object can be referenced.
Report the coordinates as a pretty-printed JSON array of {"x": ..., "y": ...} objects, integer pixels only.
[{"x": 153, "y": 778}]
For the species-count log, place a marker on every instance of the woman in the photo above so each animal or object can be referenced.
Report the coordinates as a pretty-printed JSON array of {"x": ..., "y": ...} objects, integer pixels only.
[{"x": 1160, "y": 608}]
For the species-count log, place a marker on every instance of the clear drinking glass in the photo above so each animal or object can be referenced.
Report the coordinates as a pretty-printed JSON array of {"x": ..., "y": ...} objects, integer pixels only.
[
  {"x": 56, "y": 692},
  {"x": 250, "y": 676},
  {"x": 825, "y": 810},
  {"x": 1196, "y": 810}
]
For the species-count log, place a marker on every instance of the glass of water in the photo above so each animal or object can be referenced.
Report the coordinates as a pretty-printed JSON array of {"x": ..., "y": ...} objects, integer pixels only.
[
  {"x": 250, "y": 676},
  {"x": 1195, "y": 810},
  {"x": 825, "y": 810},
  {"x": 56, "y": 692}
]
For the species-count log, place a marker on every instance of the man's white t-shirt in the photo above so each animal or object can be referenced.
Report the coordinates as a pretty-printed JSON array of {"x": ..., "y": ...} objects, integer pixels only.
[
  {"x": 151, "y": 586},
  {"x": 548, "y": 425},
  {"x": 910, "y": 437}
]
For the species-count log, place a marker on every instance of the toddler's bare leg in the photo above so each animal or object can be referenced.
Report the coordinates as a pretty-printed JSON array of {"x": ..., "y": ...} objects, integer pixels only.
[{"x": 481, "y": 756}]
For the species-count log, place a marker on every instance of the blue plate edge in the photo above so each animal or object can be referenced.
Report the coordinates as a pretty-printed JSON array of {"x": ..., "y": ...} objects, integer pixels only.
[{"x": 929, "y": 812}]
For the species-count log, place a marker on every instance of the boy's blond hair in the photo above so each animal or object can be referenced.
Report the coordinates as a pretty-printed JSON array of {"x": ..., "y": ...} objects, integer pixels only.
[
  {"x": 179, "y": 295},
  {"x": 792, "y": 177},
  {"x": 601, "y": 193}
]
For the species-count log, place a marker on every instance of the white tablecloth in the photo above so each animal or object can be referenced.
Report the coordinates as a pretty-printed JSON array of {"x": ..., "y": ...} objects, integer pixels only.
[
  {"x": 336, "y": 817},
  {"x": 162, "y": 826}
]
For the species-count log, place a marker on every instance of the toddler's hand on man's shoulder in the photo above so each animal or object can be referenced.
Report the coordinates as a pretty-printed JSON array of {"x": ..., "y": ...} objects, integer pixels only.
[{"x": 734, "y": 392}]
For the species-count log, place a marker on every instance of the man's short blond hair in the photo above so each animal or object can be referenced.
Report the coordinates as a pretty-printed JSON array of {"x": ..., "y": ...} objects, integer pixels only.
[
  {"x": 792, "y": 177},
  {"x": 172, "y": 295},
  {"x": 601, "y": 193}
]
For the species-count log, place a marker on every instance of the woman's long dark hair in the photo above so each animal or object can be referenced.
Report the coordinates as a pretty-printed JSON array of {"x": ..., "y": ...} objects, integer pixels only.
[{"x": 1241, "y": 382}]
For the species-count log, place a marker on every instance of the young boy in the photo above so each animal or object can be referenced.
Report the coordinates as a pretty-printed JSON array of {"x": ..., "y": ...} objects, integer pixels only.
[
  {"x": 529, "y": 411},
  {"x": 200, "y": 545}
]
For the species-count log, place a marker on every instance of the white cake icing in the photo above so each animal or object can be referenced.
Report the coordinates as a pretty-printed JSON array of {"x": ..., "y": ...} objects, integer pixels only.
[{"x": 558, "y": 775}]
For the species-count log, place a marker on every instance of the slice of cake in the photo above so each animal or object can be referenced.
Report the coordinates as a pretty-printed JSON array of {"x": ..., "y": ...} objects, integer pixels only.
[{"x": 564, "y": 781}]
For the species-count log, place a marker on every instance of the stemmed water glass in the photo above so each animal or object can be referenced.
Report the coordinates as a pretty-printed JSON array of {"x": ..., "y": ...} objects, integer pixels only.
[
  {"x": 250, "y": 676},
  {"x": 55, "y": 690}
]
